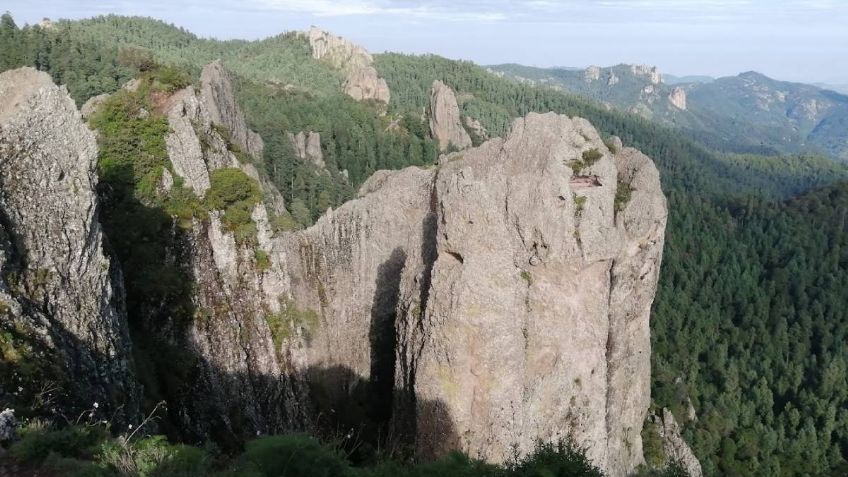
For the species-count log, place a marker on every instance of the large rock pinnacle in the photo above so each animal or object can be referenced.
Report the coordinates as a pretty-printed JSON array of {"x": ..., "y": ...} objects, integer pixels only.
[
  {"x": 58, "y": 288},
  {"x": 362, "y": 81},
  {"x": 445, "y": 123}
]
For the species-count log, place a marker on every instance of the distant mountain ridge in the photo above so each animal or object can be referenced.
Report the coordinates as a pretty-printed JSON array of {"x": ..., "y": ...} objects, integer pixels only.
[{"x": 746, "y": 113}]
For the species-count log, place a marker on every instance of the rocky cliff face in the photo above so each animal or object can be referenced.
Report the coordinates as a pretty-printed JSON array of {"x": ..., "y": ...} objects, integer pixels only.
[
  {"x": 500, "y": 298},
  {"x": 674, "y": 448},
  {"x": 362, "y": 81},
  {"x": 512, "y": 360},
  {"x": 61, "y": 306},
  {"x": 445, "y": 123}
]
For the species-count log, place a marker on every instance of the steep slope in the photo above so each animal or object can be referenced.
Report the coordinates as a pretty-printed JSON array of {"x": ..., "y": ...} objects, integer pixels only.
[{"x": 63, "y": 334}]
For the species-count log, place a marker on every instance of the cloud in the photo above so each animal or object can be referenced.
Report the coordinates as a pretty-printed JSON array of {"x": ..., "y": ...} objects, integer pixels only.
[{"x": 408, "y": 9}]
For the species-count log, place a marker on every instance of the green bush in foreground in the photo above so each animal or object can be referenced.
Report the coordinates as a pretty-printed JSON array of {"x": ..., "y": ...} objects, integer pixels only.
[{"x": 88, "y": 451}]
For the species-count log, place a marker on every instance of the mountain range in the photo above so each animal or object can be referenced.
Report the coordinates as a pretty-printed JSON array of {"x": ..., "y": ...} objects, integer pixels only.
[{"x": 746, "y": 113}]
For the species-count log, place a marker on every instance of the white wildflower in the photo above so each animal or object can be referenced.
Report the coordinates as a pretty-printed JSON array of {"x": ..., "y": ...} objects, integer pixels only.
[{"x": 96, "y": 405}]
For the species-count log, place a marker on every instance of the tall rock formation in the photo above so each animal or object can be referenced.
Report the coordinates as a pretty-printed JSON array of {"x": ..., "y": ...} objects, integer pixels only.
[
  {"x": 536, "y": 323},
  {"x": 362, "y": 81},
  {"x": 498, "y": 299},
  {"x": 61, "y": 303},
  {"x": 445, "y": 123}
]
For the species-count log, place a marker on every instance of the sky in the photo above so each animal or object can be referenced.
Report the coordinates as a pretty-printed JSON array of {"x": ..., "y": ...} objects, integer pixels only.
[{"x": 795, "y": 40}]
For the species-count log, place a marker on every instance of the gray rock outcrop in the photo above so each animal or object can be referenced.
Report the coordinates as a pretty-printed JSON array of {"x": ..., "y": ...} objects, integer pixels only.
[
  {"x": 592, "y": 73},
  {"x": 362, "y": 81},
  {"x": 651, "y": 72},
  {"x": 519, "y": 293},
  {"x": 307, "y": 146},
  {"x": 674, "y": 447},
  {"x": 476, "y": 128},
  {"x": 217, "y": 96},
  {"x": 445, "y": 122},
  {"x": 677, "y": 97},
  {"x": 60, "y": 295}
]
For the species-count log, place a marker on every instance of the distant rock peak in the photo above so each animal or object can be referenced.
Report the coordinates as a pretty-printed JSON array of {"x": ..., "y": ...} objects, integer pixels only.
[
  {"x": 362, "y": 81},
  {"x": 445, "y": 122},
  {"x": 649, "y": 71},
  {"x": 677, "y": 97}
]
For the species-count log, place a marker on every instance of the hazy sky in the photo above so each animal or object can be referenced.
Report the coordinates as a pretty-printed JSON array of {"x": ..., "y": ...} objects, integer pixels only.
[{"x": 787, "y": 39}]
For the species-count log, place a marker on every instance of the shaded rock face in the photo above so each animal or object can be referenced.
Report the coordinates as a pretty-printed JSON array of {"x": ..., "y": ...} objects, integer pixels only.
[
  {"x": 307, "y": 146},
  {"x": 362, "y": 81},
  {"x": 58, "y": 289},
  {"x": 483, "y": 305},
  {"x": 238, "y": 384},
  {"x": 445, "y": 124},
  {"x": 674, "y": 447}
]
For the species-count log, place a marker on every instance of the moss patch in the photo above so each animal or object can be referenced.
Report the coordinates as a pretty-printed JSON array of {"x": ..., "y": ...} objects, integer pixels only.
[
  {"x": 289, "y": 320},
  {"x": 236, "y": 194}
]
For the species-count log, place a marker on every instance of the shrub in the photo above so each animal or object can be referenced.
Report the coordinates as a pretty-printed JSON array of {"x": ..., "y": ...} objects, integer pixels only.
[
  {"x": 290, "y": 319},
  {"x": 154, "y": 457},
  {"x": 131, "y": 143},
  {"x": 283, "y": 223},
  {"x": 652, "y": 446},
  {"x": 170, "y": 78},
  {"x": 560, "y": 459},
  {"x": 579, "y": 203},
  {"x": 591, "y": 156},
  {"x": 37, "y": 442},
  {"x": 263, "y": 262},
  {"x": 622, "y": 196},
  {"x": 233, "y": 192},
  {"x": 294, "y": 455}
]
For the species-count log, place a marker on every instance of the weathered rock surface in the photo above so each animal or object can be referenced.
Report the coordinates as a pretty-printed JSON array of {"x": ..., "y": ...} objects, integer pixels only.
[
  {"x": 90, "y": 107},
  {"x": 592, "y": 73},
  {"x": 58, "y": 289},
  {"x": 677, "y": 97},
  {"x": 649, "y": 71},
  {"x": 307, "y": 146},
  {"x": 539, "y": 305},
  {"x": 445, "y": 123},
  {"x": 496, "y": 300},
  {"x": 217, "y": 96},
  {"x": 674, "y": 447},
  {"x": 476, "y": 128},
  {"x": 362, "y": 81}
]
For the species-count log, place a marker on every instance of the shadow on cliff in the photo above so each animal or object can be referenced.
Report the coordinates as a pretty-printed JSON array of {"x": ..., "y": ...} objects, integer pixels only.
[{"x": 366, "y": 416}]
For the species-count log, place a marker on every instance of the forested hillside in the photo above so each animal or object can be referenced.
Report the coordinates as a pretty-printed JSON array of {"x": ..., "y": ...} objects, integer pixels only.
[
  {"x": 750, "y": 316},
  {"x": 748, "y": 113}
]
